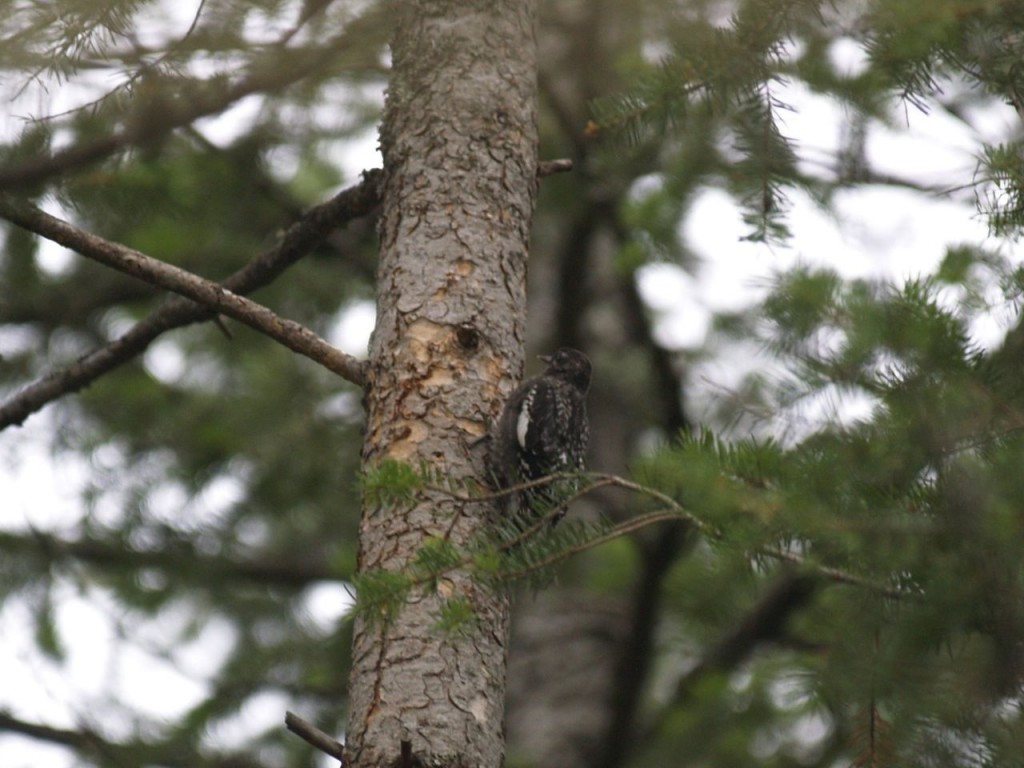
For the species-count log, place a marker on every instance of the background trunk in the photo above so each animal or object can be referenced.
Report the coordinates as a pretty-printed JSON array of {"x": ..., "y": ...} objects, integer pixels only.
[{"x": 460, "y": 154}]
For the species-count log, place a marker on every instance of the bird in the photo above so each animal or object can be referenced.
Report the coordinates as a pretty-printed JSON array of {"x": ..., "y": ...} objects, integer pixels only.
[{"x": 543, "y": 430}]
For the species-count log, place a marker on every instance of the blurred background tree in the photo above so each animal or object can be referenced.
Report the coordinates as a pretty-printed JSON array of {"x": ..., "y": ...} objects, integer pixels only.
[{"x": 853, "y": 594}]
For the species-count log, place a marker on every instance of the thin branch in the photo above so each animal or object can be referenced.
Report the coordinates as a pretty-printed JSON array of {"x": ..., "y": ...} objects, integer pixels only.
[
  {"x": 154, "y": 65},
  {"x": 832, "y": 574},
  {"x": 300, "y": 238},
  {"x": 144, "y": 130},
  {"x": 164, "y": 113},
  {"x": 528, "y": 485},
  {"x": 310, "y": 9},
  {"x": 80, "y": 740},
  {"x": 87, "y": 742},
  {"x": 764, "y": 622},
  {"x": 617, "y": 531},
  {"x": 204, "y": 569},
  {"x": 314, "y": 736},
  {"x": 194, "y": 24},
  {"x": 673, "y": 512},
  {"x": 661, "y": 498},
  {"x": 155, "y": 272},
  {"x": 551, "y": 167}
]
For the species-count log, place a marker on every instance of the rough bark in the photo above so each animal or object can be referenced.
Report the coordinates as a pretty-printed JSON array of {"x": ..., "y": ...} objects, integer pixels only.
[{"x": 460, "y": 161}]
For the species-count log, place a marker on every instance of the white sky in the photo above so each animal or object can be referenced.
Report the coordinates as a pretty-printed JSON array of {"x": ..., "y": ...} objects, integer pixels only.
[{"x": 878, "y": 232}]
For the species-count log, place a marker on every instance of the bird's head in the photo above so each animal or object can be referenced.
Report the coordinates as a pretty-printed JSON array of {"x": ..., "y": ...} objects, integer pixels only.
[{"x": 569, "y": 364}]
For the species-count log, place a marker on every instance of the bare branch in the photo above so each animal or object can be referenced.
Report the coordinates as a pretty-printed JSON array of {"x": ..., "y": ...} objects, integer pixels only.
[
  {"x": 89, "y": 743},
  {"x": 203, "y": 569},
  {"x": 764, "y": 622},
  {"x": 302, "y": 236},
  {"x": 116, "y": 256},
  {"x": 83, "y": 740},
  {"x": 551, "y": 167},
  {"x": 313, "y": 735}
]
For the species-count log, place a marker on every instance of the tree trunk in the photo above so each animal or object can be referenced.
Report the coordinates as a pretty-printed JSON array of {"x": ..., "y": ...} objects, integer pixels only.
[{"x": 460, "y": 155}]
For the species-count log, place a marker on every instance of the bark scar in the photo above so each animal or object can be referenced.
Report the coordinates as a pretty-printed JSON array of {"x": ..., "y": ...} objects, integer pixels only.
[{"x": 378, "y": 674}]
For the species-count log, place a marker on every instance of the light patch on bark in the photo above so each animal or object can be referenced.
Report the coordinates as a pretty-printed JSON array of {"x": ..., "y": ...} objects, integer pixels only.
[
  {"x": 479, "y": 709},
  {"x": 409, "y": 436},
  {"x": 446, "y": 588},
  {"x": 472, "y": 428},
  {"x": 425, "y": 338}
]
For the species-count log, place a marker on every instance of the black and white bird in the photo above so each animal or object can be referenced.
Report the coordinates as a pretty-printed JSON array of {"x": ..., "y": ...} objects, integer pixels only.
[{"x": 543, "y": 430}]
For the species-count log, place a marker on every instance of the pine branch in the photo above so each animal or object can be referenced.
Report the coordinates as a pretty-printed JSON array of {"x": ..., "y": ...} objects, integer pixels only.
[
  {"x": 831, "y": 574},
  {"x": 299, "y": 239},
  {"x": 671, "y": 512},
  {"x": 149, "y": 64},
  {"x": 165, "y": 112},
  {"x": 617, "y": 531}
]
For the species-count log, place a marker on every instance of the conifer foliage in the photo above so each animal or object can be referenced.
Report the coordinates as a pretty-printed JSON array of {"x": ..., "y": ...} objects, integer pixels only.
[{"x": 824, "y": 571}]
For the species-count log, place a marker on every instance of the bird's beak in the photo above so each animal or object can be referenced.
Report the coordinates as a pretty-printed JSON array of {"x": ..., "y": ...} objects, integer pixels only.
[{"x": 544, "y": 358}]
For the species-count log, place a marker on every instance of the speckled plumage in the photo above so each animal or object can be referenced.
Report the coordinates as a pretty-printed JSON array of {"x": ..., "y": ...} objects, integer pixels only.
[{"x": 543, "y": 430}]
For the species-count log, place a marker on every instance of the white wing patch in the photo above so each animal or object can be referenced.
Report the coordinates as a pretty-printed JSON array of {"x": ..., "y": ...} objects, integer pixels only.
[{"x": 523, "y": 422}]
